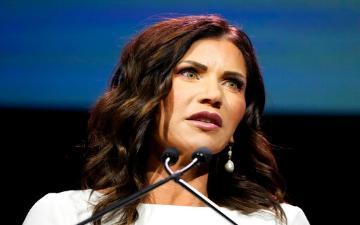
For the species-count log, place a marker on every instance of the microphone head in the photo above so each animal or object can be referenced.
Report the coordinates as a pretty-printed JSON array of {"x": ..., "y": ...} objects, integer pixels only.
[
  {"x": 171, "y": 153},
  {"x": 203, "y": 154}
]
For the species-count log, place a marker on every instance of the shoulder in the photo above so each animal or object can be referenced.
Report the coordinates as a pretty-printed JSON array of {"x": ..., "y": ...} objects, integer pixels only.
[
  {"x": 162, "y": 214},
  {"x": 294, "y": 215},
  {"x": 67, "y": 207}
]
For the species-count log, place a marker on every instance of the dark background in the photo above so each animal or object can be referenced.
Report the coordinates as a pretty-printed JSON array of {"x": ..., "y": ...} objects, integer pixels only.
[{"x": 316, "y": 156}]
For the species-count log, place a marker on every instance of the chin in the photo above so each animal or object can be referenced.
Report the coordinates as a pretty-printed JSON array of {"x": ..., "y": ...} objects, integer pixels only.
[{"x": 191, "y": 147}]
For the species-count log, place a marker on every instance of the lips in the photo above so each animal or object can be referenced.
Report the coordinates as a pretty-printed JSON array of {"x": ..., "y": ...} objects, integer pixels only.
[{"x": 206, "y": 120}]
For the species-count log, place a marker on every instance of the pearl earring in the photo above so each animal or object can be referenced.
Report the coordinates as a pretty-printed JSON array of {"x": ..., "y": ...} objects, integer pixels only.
[{"x": 229, "y": 165}]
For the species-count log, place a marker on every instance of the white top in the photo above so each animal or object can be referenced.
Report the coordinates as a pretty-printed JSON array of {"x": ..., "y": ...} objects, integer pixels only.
[{"x": 72, "y": 207}]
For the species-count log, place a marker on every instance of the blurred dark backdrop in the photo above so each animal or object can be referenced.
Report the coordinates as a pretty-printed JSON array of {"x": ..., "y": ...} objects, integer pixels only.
[{"x": 316, "y": 156}]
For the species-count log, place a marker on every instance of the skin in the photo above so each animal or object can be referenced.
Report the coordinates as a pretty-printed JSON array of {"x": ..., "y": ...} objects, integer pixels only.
[{"x": 211, "y": 77}]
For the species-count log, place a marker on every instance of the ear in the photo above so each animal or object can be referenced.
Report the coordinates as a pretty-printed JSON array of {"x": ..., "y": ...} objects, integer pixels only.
[{"x": 231, "y": 139}]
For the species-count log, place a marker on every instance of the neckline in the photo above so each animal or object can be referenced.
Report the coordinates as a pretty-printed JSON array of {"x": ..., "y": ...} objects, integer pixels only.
[
  {"x": 100, "y": 194},
  {"x": 170, "y": 205}
]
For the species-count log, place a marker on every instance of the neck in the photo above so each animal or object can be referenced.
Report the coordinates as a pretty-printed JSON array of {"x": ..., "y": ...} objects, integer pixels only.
[{"x": 172, "y": 193}]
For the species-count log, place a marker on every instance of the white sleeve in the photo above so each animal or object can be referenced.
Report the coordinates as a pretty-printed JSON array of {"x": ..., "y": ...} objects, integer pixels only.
[
  {"x": 44, "y": 212},
  {"x": 299, "y": 219}
]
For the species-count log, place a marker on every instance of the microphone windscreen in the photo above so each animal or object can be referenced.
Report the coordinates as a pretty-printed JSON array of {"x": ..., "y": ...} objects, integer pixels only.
[
  {"x": 203, "y": 154},
  {"x": 173, "y": 153}
]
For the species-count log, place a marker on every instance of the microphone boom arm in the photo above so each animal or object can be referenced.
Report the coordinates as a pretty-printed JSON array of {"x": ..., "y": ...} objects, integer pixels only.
[
  {"x": 195, "y": 192},
  {"x": 133, "y": 197},
  {"x": 206, "y": 200},
  {"x": 170, "y": 157}
]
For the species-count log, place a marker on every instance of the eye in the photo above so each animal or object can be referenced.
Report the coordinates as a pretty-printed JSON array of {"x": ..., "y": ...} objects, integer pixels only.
[
  {"x": 235, "y": 84},
  {"x": 189, "y": 73}
]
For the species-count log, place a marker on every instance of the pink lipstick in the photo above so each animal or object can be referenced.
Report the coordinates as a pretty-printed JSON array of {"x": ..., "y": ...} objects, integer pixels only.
[{"x": 206, "y": 121}]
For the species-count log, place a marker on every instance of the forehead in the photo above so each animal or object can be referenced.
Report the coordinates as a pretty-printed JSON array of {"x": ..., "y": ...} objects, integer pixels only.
[{"x": 216, "y": 51}]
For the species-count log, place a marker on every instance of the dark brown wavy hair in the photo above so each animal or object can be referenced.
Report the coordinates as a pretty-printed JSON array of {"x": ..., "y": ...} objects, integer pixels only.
[{"x": 121, "y": 123}]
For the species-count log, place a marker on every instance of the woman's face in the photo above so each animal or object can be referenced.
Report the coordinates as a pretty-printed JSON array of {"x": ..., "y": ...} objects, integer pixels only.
[{"x": 207, "y": 99}]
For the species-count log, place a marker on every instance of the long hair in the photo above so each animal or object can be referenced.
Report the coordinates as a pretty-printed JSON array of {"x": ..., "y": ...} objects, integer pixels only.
[{"x": 122, "y": 121}]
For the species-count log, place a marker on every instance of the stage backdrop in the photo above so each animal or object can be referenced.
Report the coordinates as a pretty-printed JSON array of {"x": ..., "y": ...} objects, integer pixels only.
[{"x": 59, "y": 54}]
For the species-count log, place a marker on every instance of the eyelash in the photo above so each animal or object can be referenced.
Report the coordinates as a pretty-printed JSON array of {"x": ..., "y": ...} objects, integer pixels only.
[
  {"x": 238, "y": 82},
  {"x": 191, "y": 70}
]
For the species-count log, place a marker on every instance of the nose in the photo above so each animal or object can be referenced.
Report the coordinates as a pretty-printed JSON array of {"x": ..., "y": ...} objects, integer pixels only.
[{"x": 212, "y": 93}]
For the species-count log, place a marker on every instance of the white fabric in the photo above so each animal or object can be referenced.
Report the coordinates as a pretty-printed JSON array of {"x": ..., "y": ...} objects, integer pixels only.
[{"x": 72, "y": 207}]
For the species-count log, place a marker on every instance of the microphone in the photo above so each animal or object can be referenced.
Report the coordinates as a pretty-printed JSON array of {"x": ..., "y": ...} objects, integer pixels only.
[
  {"x": 202, "y": 155},
  {"x": 169, "y": 157},
  {"x": 171, "y": 153}
]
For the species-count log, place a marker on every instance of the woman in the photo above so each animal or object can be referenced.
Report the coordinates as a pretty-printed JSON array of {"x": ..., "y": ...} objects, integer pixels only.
[{"x": 186, "y": 83}]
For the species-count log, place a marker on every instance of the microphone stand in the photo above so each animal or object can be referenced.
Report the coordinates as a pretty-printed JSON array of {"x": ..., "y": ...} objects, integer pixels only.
[
  {"x": 119, "y": 204},
  {"x": 198, "y": 194}
]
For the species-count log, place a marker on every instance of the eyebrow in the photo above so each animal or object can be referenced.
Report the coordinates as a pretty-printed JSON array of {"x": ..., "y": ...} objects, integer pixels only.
[{"x": 204, "y": 68}]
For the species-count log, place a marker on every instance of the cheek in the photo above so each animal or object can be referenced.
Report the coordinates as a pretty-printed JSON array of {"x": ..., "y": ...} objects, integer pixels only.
[
  {"x": 237, "y": 112},
  {"x": 181, "y": 95},
  {"x": 240, "y": 111},
  {"x": 164, "y": 118}
]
